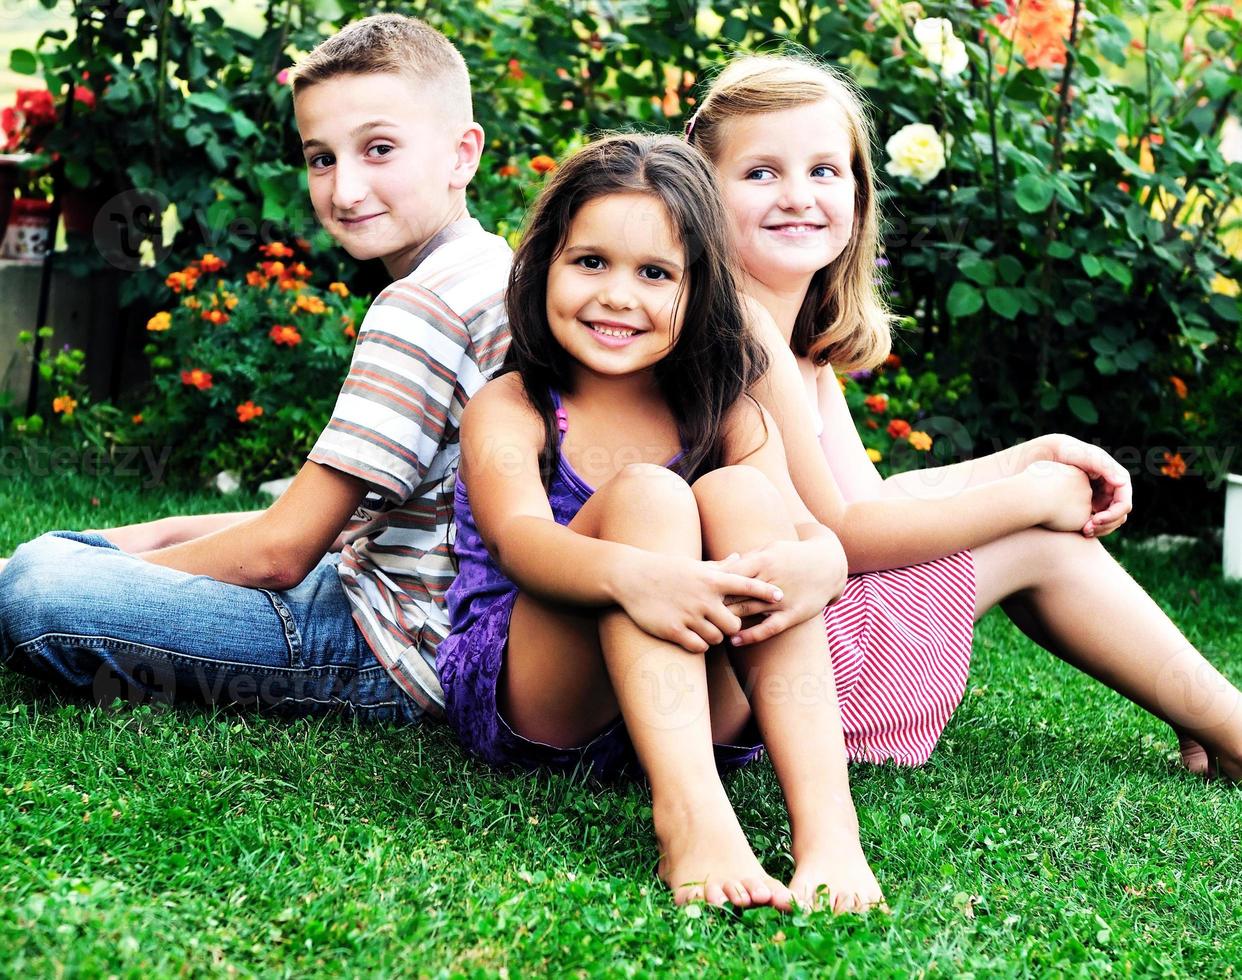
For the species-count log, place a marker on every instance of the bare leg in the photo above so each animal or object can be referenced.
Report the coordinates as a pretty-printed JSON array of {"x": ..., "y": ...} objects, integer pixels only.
[
  {"x": 1069, "y": 595},
  {"x": 567, "y": 676},
  {"x": 794, "y": 699}
]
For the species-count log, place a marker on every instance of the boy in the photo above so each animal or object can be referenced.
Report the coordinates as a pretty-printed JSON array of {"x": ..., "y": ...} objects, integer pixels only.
[{"x": 246, "y": 608}]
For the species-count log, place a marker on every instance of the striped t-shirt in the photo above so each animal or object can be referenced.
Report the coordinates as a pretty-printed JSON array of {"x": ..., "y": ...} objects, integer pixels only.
[{"x": 428, "y": 343}]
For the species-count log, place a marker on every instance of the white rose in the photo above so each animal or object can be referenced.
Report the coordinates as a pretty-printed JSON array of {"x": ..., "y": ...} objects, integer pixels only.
[
  {"x": 940, "y": 46},
  {"x": 916, "y": 151}
]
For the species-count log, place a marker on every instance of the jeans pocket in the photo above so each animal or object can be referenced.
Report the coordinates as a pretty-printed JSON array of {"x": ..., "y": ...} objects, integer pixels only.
[{"x": 293, "y": 636}]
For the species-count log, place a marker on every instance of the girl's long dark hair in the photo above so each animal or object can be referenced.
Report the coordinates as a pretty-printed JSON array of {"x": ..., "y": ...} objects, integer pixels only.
[{"x": 715, "y": 358}]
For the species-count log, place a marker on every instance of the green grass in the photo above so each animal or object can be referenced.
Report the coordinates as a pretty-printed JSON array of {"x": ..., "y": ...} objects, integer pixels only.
[{"x": 1052, "y": 833}]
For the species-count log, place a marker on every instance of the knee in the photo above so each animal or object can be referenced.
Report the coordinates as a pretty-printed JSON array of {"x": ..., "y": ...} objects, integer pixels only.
[
  {"x": 648, "y": 489},
  {"x": 1055, "y": 554},
  {"x": 739, "y": 491},
  {"x": 34, "y": 591}
]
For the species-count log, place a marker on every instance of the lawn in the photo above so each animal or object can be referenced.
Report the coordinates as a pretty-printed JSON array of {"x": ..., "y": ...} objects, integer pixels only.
[{"x": 1052, "y": 833}]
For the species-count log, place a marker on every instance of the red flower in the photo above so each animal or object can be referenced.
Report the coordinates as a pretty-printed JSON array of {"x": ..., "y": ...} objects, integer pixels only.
[
  {"x": 211, "y": 263},
  {"x": 877, "y": 403},
  {"x": 276, "y": 250},
  {"x": 892, "y": 361},
  {"x": 898, "y": 428},
  {"x": 197, "y": 378},
  {"x": 542, "y": 164},
  {"x": 508, "y": 170},
  {"x": 285, "y": 335},
  {"x": 248, "y": 410},
  {"x": 1174, "y": 466},
  {"x": 1179, "y": 385},
  {"x": 515, "y": 70}
]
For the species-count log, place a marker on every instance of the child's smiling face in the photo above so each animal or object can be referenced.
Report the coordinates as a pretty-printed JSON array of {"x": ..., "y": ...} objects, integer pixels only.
[
  {"x": 613, "y": 289},
  {"x": 386, "y": 170},
  {"x": 787, "y": 183}
]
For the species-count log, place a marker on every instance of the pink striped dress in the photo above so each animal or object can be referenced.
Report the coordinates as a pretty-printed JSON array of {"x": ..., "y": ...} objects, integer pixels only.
[{"x": 900, "y": 646}]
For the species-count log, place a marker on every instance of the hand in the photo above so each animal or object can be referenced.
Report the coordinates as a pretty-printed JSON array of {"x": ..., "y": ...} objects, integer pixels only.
[
  {"x": 1064, "y": 494},
  {"x": 683, "y": 601},
  {"x": 811, "y": 573},
  {"x": 1111, "y": 492}
]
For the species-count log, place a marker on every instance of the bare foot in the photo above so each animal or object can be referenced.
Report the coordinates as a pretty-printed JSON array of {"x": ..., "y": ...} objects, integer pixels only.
[
  {"x": 1206, "y": 762},
  {"x": 836, "y": 877},
  {"x": 704, "y": 857}
]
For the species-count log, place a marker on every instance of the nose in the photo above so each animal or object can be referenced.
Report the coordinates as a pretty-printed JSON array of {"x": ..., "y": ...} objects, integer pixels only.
[
  {"x": 795, "y": 194},
  {"x": 615, "y": 293},
  {"x": 349, "y": 188}
]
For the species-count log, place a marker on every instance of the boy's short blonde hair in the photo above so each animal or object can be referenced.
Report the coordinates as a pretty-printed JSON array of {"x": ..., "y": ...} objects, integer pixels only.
[
  {"x": 843, "y": 319},
  {"x": 395, "y": 44}
]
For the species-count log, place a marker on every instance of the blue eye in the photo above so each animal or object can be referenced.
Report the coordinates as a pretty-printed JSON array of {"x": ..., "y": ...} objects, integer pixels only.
[
  {"x": 823, "y": 170},
  {"x": 759, "y": 173}
]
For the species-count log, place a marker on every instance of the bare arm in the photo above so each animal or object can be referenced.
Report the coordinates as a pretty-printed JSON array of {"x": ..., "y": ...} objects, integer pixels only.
[
  {"x": 880, "y": 532},
  {"x": 167, "y": 531},
  {"x": 276, "y": 548}
]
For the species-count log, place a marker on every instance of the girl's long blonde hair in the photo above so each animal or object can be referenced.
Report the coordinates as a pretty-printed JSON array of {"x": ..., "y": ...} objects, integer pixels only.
[{"x": 843, "y": 321}]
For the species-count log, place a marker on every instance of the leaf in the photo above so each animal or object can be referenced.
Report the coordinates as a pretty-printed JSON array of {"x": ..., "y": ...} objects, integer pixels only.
[
  {"x": 1034, "y": 193},
  {"x": 1118, "y": 270},
  {"x": 1059, "y": 250},
  {"x": 1105, "y": 365},
  {"x": 23, "y": 62},
  {"x": 1091, "y": 265},
  {"x": 208, "y": 100},
  {"x": 77, "y": 173},
  {"x": 978, "y": 269},
  {"x": 964, "y": 300},
  {"x": 1083, "y": 409},
  {"x": 1004, "y": 301},
  {"x": 245, "y": 128},
  {"x": 1010, "y": 269}
]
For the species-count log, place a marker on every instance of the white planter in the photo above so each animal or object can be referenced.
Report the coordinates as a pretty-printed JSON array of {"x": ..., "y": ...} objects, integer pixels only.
[{"x": 1233, "y": 526}]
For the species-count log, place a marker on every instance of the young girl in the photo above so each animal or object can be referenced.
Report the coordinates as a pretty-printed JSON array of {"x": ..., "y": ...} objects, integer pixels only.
[
  {"x": 791, "y": 147},
  {"x": 596, "y": 477}
]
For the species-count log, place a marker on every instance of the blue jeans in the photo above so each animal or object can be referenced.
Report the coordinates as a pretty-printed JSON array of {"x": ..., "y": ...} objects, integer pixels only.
[{"x": 83, "y": 615}]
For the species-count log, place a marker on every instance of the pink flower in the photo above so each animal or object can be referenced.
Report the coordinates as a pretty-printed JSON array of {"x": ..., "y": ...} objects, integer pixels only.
[{"x": 282, "y": 77}]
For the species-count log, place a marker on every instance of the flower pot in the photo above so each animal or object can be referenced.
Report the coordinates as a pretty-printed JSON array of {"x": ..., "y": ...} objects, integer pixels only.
[
  {"x": 28, "y": 232},
  {"x": 1232, "y": 557}
]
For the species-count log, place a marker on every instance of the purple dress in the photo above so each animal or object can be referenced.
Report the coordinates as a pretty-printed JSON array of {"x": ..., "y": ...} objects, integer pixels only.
[{"x": 470, "y": 659}]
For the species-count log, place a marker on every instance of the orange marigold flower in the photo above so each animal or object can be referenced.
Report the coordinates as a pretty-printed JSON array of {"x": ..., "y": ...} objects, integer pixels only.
[
  {"x": 272, "y": 270},
  {"x": 186, "y": 279},
  {"x": 350, "y": 332},
  {"x": 64, "y": 403},
  {"x": 230, "y": 301},
  {"x": 197, "y": 378},
  {"x": 255, "y": 278},
  {"x": 508, "y": 170},
  {"x": 191, "y": 303},
  {"x": 211, "y": 263},
  {"x": 920, "y": 441},
  {"x": 310, "y": 304},
  {"x": 892, "y": 361},
  {"x": 136, "y": 419},
  {"x": 898, "y": 428},
  {"x": 300, "y": 270},
  {"x": 287, "y": 284},
  {"x": 248, "y": 410},
  {"x": 339, "y": 288},
  {"x": 215, "y": 316},
  {"x": 542, "y": 164},
  {"x": 285, "y": 335},
  {"x": 1179, "y": 385},
  {"x": 1174, "y": 466},
  {"x": 276, "y": 250},
  {"x": 160, "y": 322},
  {"x": 877, "y": 403}
]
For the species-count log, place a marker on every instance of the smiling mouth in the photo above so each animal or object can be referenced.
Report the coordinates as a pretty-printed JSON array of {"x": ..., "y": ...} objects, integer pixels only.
[
  {"x": 794, "y": 228},
  {"x": 612, "y": 330},
  {"x": 360, "y": 220}
]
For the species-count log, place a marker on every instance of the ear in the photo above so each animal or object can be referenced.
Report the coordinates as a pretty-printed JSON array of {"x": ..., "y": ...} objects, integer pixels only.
[{"x": 469, "y": 152}]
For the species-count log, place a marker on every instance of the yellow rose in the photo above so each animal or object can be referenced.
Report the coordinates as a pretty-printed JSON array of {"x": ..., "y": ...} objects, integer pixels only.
[
  {"x": 1224, "y": 286},
  {"x": 916, "y": 151},
  {"x": 940, "y": 46}
]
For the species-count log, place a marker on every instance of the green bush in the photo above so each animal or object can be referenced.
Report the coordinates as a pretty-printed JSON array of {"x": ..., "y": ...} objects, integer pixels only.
[{"x": 1063, "y": 227}]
